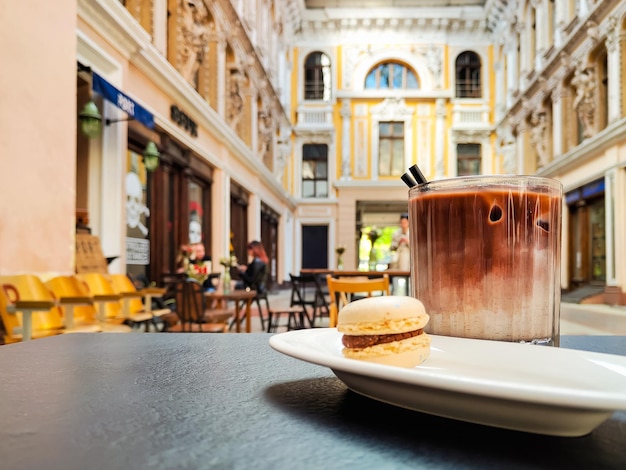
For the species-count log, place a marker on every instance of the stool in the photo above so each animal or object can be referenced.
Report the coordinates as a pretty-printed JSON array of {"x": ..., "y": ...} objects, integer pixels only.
[{"x": 295, "y": 320}]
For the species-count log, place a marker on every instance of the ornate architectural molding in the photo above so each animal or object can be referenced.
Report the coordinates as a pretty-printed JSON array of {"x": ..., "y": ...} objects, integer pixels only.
[
  {"x": 585, "y": 103},
  {"x": 392, "y": 108},
  {"x": 613, "y": 34},
  {"x": 316, "y": 24},
  {"x": 538, "y": 137}
]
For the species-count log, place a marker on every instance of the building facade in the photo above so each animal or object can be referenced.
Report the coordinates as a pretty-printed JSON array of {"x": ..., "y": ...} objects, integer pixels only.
[{"x": 292, "y": 121}]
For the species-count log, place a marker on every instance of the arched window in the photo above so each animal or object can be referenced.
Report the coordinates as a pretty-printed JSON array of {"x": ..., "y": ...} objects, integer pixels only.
[
  {"x": 391, "y": 75},
  {"x": 468, "y": 75},
  {"x": 317, "y": 77}
]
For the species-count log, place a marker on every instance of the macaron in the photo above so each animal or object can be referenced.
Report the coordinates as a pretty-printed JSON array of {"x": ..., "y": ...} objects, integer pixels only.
[{"x": 385, "y": 329}]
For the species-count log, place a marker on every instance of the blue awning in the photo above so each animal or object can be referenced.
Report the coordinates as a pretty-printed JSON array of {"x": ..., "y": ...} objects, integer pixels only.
[{"x": 122, "y": 101}]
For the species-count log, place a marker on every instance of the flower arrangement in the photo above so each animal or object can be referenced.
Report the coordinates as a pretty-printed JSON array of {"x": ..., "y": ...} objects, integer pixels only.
[
  {"x": 340, "y": 251},
  {"x": 229, "y": 262},
  {"x": 373, "y": 236},
  {"x": 199, "y": 271}
]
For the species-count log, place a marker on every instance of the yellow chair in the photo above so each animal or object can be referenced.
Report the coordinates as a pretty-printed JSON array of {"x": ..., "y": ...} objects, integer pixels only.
[
  {"x": 17, "y": 316},
  {"x": 132, "y": 305},
  {"x": 342, "y": 290},
  {"x": 38, "y": 309},
  {"x": 75, "y": 300},
  {"x": 108, "y": 302}
]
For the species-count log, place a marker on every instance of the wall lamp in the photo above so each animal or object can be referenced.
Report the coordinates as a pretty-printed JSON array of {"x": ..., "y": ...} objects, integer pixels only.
[
  {"x": 91, "y": 126},
  {"x": 90, "y": 120},
  {"x": 151, "y": 156}
]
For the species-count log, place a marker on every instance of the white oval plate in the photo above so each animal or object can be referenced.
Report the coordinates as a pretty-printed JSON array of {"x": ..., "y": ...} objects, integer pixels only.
[{"x": 524, "y": 387}]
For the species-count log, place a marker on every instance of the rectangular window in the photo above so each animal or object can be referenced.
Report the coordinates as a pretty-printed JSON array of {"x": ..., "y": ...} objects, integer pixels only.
[
  {"x": 315, "y": 170},
  {"x": 390, "y": 148},
  {"x": 468, "y": 159}
]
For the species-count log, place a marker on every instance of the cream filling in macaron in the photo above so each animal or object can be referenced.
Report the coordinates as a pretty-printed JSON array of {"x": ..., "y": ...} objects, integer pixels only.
[
  {"x": 395, "y": 347},
  {"x": 385, "y": 327}
]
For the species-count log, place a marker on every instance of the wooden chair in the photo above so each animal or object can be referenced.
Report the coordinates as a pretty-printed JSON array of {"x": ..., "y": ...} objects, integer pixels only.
[
  {"x": 342, "y": 291},
  {"x": 194, "y": 313},
  {"x": 259, "y": 285},
  {"x": 295, "y": 315}
]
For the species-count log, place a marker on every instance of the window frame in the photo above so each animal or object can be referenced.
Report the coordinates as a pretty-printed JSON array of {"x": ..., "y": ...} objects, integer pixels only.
[
  {"x": 316, "y": 180},
  {"x": 393, "y": 139},
  {"x": 469, "y": 157},
  {"x": 406, "y": 73},
  {"x": 468, "y": 76},
  {"x": 317, "y": 87}
]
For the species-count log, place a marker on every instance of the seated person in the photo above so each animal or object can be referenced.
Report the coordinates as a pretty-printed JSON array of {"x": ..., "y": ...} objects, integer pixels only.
[
  {"x": 199, "y": 256},
  {"x": 253, "y": 275}
]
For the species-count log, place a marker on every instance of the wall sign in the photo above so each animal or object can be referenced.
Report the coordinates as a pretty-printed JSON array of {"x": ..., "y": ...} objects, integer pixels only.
[{"x": 184, "y": 121}]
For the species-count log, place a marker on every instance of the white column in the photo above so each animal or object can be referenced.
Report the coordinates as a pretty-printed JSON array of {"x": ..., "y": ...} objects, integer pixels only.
[
  {"x": 614, "y": 43},
  {"x": 346, "y": 116},
  {"x": 561, "y": 11},
  {"x": 159, "y": 25},
  {"x": 522, "y": 137},
  {"x": 541, "y": 31},
  {"x": 557, "y": 122},
  {"x": 512, "y": 73},
  {"x": 221, "y": 76},
  {"x": 609, "y": 201},
  {"x": 254, "y": 218},
  {"x": 220, "y": 208},
  {"x": 619, "y": 230},
  {"x": 254, "y": 123},
  {"x": 499, "y": 98},
  {"x": 440, "y": 125}
]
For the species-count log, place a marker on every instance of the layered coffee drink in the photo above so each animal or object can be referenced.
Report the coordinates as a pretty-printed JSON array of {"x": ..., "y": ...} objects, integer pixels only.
[{"x": 485, "y": 256}]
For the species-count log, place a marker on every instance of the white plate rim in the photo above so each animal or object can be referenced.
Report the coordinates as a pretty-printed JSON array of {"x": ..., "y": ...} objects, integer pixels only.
[{"x": 312, "y": 345}]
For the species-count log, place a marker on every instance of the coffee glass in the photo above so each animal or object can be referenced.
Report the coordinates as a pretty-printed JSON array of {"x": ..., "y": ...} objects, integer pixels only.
[{"x": 485, "y": 256}]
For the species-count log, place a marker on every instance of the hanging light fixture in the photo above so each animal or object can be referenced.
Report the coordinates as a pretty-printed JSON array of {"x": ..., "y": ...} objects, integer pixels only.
[
  {"x": 90, "y": 120},
  {"x": 151, "y": 156}
]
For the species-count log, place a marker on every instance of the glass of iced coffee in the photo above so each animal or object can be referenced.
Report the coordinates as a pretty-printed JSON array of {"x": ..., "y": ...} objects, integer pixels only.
[{"x": 485, "y": 256}]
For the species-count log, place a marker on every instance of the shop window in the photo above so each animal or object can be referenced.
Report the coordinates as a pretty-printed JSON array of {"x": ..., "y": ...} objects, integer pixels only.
[
  {"x": 317, "y": 77},
  {"x": 314, "y": 170},
  {"x": 137, "y": 216},
  {"x": 390, "y": 148},
  {"x": 196, "y": 214},
  {"x": 391, "y": 75},
  {"x": 468, "y": 67},
  {"x": 468, "y": 159}
]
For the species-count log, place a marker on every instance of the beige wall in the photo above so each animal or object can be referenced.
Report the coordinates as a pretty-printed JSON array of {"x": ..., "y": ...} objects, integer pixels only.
[{"x": 37, "y": 136}]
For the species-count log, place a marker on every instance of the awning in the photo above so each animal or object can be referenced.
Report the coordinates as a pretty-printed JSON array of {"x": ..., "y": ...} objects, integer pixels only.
[{"x": 122, "y": 101}]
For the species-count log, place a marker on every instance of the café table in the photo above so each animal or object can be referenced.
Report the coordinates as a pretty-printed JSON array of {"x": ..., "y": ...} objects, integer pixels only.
[
  {"x": 189, "y": 400},
  {"x": 238, "y": 296}
]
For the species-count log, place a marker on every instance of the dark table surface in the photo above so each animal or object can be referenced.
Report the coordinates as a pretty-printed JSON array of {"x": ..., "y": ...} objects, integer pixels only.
[{"x": 229, "y": 401}]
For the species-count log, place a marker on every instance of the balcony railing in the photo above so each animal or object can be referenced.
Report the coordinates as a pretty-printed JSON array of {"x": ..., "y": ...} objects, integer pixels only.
[{"x": 315, "y": 116}]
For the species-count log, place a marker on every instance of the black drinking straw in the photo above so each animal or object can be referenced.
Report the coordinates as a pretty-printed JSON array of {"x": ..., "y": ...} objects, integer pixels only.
[
  {"x": 417, "y": 174},
  {"x": 410, "y": 182}
]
